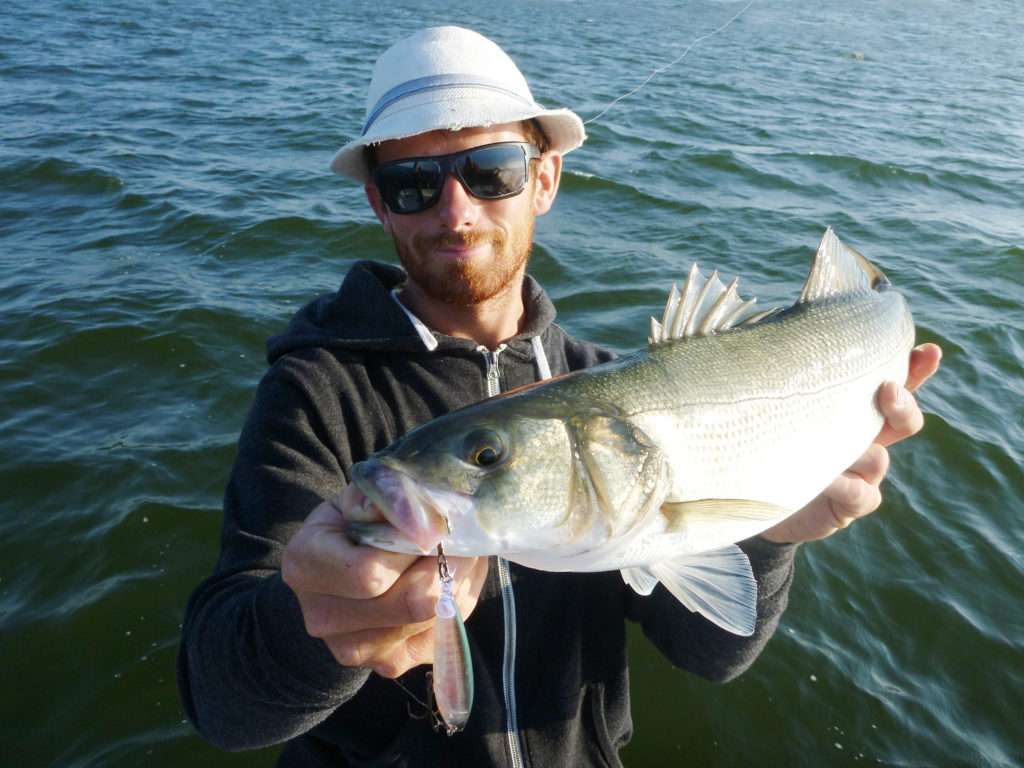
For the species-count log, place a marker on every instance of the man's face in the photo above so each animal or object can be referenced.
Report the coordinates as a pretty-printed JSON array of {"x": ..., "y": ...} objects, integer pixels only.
[{"x": 464, "y": 250}]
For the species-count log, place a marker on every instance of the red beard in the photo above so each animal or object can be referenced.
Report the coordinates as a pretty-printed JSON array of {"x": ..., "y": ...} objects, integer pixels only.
[{"x": 465, "y": 282}]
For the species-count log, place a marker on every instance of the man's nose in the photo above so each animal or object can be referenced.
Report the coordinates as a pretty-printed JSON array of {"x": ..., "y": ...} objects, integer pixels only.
[{"x": 457, "y": 208}]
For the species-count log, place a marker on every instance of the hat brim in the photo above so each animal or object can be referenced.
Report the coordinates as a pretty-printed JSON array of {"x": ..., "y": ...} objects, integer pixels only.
[{"x": 453, "y": 110}]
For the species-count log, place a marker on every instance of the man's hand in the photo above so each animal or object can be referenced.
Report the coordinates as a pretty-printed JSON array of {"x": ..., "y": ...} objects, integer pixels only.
[
  {"x": 372, "y": 608},
  {"x": 855, "y": 493}
]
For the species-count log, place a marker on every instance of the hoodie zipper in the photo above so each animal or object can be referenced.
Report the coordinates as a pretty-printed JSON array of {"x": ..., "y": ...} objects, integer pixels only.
[
  {"x": 508, "y": 601},
  {"x": 491, "y": 363}
]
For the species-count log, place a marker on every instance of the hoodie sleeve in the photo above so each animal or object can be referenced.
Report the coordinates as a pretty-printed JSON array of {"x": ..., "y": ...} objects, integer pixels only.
[
  {"x": 248, "y": 673},
  {"x": 693, "y": 643}
]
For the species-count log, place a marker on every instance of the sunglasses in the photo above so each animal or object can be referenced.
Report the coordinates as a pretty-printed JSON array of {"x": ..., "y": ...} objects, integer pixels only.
[{"x": 490, "y": 172}]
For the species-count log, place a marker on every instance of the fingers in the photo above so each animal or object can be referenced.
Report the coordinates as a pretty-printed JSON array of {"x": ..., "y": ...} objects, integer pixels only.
[
  {"x": 390, "y": 650},
  {"x": 418, "y": 649},
  {"x": 410, "y": 600},
  {"x": 371, "y": 608},
  {"x": 903, "y": 417},
  {"x": 355, "y": 506},
  {"x": 416, "y": 645},
  {"x": 852, "y": 495},
  {"x": 331, "y": 564},
  {"x": 373, "y": 646},
  {"x": 321, "y": 559},
  {"x": 851, "y": 498},
  {"x": 857, "y": 493},
  {"x": 871, "y": 466},
  {"x": 924, "y": 362},
  {"x": 468, "y": 582}
]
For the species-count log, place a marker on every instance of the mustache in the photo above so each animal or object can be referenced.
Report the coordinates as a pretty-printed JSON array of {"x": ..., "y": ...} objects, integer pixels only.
[{"x": 460, "y": 239}]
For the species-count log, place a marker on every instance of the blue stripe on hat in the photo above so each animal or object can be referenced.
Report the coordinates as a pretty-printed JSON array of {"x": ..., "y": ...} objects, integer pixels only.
[{"x": 437, "y": 82}]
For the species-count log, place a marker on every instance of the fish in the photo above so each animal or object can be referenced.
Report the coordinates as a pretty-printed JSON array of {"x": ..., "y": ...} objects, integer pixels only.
[{"x": 657, "y": 463}]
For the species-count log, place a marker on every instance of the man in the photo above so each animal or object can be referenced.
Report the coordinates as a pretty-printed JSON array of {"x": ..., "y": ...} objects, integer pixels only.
[{"x": 302, "y": 637}]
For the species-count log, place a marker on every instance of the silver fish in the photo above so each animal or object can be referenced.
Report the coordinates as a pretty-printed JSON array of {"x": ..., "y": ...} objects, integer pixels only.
[{"x": 655, "y": 464}]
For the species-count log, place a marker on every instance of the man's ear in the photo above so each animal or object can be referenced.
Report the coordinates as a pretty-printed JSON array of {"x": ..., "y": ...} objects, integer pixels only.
[
  {"x": 377, "y": 203},
  {"x": 549, "y": 173}
]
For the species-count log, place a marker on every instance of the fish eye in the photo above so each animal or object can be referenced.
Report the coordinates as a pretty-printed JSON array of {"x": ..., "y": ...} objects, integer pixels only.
[{"x": 484, "y": 447}]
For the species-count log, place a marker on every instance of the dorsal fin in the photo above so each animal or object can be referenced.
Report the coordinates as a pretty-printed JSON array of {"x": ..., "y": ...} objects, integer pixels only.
[
  {"x": 840, "y": 270},
  {"x": 704, "y": 306}
]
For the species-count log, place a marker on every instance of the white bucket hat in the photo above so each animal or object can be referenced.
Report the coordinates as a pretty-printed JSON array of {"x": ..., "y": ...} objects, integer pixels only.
[{"x": 448, "y": 78}]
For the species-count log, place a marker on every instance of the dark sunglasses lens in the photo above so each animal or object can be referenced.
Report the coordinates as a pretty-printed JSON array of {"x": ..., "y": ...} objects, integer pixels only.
[
  {"x": 409, "y": 187},
  {"x": 492, "y": 172}
]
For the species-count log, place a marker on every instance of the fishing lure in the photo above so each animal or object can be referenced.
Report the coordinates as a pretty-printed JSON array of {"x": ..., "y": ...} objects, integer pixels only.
[{"x": 453, "y": 665}]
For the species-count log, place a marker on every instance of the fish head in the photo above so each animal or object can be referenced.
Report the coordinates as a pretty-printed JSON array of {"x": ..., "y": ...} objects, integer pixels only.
[{"x": 482, "y": 480}]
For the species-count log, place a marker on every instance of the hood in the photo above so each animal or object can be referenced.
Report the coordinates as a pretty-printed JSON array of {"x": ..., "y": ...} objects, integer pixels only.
[{"x": 362, "y": 315}]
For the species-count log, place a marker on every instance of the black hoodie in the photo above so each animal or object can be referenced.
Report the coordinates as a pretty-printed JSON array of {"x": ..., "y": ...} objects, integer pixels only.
[{"x": 350, "y": 375}]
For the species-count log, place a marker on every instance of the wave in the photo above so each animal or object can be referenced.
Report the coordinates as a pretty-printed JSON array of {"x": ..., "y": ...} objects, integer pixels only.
[
  {"x": 959, "y": 181},
  {"x": 30, "y": 175},
  {"x": 728, "y": 162},
  {"x": 298, "y": 235},
  {"x": 888, "y": 174},
  {"x": 624, "y": 193},
  {"x": 163, "y": 52},
  {"x": 876, "y": 173},
  {"x": 58, "y": 72}
]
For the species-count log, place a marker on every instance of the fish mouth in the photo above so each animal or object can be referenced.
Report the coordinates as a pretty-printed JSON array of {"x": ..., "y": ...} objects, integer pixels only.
[{"x": 419, "y": 516}]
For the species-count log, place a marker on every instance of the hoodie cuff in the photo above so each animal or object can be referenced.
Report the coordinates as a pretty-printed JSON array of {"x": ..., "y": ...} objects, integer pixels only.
[
  {"x": 768, "y": 551},
  {"x": 771, "y": 563}
]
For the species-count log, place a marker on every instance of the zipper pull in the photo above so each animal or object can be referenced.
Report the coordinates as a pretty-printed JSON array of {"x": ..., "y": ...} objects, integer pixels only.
[{"x": 493, "y": 373}]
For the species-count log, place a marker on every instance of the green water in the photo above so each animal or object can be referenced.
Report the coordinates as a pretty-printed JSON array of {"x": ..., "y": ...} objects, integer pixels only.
[{"x": 165, "y": 206}]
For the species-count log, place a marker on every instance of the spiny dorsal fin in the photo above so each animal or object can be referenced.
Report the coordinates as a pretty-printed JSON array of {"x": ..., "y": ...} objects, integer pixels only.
[
  {"x": 839, "y": 270},
  {"x": 704, "y": 306}
]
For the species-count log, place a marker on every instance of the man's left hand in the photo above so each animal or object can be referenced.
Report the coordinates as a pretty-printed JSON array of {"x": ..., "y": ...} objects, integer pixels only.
[{"x": 856, "y": 493}]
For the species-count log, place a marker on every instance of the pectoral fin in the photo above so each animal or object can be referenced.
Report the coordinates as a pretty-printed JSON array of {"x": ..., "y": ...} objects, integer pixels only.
[
  {"x": 719, "y": 585},
  {"x": 716, "y": 511},
  {"x": 713, "y": 523}
]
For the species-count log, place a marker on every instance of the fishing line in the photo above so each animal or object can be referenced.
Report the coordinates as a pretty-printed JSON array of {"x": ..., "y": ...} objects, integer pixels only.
[{"x": 672, "y": 63}]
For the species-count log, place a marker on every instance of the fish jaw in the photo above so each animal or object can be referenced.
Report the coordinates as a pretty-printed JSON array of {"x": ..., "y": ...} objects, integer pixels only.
[{"x": 418, "y": 515}]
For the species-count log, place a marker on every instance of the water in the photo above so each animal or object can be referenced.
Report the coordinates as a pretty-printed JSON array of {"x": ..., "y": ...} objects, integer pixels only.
[{"x": 165, "y": 206}]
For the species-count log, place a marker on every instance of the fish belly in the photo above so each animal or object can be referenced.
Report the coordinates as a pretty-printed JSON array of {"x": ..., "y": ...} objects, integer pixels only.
[{"x": 782, "y": 447}]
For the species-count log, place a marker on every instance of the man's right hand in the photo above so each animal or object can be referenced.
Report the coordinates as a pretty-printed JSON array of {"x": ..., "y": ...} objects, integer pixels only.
[{"x": 372, "y": 608}]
